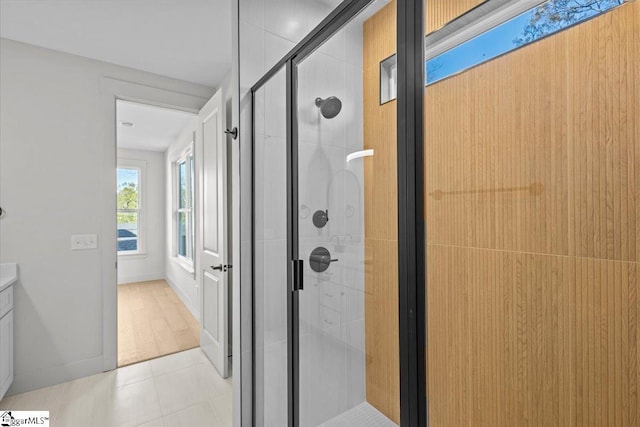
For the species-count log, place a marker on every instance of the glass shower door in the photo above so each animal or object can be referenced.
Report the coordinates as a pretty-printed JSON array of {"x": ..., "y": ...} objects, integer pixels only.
[
  {"x": 270, "y": 292},
  {"x": 344, "y": 149}
]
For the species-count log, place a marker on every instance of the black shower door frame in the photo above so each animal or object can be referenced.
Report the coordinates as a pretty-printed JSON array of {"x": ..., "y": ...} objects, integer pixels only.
[{"x": 411, "y": 229}]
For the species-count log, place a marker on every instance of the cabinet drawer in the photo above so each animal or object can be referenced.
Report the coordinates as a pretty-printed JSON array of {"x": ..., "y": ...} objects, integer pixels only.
[{"x": 6, "y": 300}]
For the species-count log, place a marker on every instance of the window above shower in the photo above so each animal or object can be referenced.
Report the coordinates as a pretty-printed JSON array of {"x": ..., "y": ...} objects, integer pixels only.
[{"x": 499, "y": 27}]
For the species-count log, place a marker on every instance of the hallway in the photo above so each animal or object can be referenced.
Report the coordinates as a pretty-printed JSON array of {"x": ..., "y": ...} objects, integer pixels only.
[{"x": 153, "y": 322}]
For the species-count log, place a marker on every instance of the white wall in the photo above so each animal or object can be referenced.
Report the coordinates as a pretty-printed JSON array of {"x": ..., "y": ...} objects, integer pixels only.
[
  {"x": 183, "y": 282},
  {"x": 150, "y": 264},
  {"x": 53, "y": 140}
]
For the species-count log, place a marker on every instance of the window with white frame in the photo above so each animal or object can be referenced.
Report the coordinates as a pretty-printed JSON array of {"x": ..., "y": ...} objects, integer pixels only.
[
  {"x": 129, "y": 207},
  {"x": 184, "y": 213}
]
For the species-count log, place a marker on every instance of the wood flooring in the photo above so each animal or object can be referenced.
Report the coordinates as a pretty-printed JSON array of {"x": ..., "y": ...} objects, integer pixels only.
[{"x": 153, "y": 322}]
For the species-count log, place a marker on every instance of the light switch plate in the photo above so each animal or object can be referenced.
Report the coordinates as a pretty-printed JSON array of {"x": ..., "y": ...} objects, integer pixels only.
[{"x": 81, "y": 242}]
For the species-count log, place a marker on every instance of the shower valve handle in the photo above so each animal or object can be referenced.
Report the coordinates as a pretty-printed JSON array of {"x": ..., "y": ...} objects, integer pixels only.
[{"x": 320, "y": 259}]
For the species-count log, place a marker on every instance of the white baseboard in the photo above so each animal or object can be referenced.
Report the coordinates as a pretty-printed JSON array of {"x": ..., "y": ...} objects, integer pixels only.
[
  {"x": 185, "y": 300},
  {"x": 141, "y": 278},
  {"x": 53, "y": 375}
]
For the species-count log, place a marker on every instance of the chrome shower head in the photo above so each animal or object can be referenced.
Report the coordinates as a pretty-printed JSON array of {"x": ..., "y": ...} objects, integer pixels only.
[{"x": 330, "y": 107}]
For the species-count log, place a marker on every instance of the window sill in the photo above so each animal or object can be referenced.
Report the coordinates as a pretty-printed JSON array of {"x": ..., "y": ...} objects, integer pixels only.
[
  {"x": 186, "y": 266},
  {"x": 132, "y": 255}
]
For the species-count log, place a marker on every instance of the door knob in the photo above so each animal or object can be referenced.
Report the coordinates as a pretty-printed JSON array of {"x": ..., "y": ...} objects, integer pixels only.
[
  {"x": 221, "y": 267},
  {"x": 233, "y": 132}
]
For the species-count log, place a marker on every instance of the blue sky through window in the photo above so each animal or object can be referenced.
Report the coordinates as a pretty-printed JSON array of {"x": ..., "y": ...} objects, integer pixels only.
[
  {"x": 541, "y": 21},
  {"x": 126, "y": 176}
]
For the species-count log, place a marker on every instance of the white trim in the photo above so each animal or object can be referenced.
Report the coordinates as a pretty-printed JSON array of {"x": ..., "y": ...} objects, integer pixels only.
[
  {"x": 112, "y": 90},
  {"x": 141, "y": 278},
  {"x": 183, "y": 155},
  {"x": 132, "y": 255},
  {"x": 481, "y": 25},
  {"x": 52, "y": 375},
  {"x": 193, "y": 308},
  {"x": 241, "y": 308},
  {"x": 185, "y": 265}
]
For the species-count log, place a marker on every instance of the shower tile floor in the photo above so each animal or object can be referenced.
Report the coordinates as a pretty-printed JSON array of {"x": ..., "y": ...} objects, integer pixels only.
[{"x": 363, "y": 415}]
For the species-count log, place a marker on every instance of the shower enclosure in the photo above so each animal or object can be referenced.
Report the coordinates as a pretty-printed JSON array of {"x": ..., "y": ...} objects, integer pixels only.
[
  {"x": 519, "y": 304},
  {"x": 325, "y": 232}
]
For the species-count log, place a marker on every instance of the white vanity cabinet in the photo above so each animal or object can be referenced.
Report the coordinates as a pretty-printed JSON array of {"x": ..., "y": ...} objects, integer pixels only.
[
  {"x": 6, "y": 352},
  {"x": 6, "y": 328}
]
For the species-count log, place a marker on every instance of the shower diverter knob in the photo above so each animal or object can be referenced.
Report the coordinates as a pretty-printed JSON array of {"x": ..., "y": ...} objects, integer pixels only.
[{"x": 320, "y": 259}]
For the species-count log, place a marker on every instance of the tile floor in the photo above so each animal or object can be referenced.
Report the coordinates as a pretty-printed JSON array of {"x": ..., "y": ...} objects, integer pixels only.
[
  {"x": 182, "y": 389},
  {"x": 363, "y": 415}
]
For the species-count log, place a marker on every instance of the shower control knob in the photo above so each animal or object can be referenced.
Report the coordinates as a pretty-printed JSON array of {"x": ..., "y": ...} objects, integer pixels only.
[
  {"x": 320, "y": 218},
  {"x": 320, "y": 259}
]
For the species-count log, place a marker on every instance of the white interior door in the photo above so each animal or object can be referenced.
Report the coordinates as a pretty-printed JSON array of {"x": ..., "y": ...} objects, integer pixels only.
[{"x": 214, "y": 295}]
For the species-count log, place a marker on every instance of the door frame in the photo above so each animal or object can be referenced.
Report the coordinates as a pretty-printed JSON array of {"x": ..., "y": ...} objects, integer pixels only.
[
  {"x": 411, "y": 225},
  {"x": 113, "y": 90}
]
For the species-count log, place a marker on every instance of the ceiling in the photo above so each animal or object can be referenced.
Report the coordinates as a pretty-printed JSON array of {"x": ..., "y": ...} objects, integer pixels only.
[
  {"x": 155, "y": 128},
  {"x": 185, "y": 39}
]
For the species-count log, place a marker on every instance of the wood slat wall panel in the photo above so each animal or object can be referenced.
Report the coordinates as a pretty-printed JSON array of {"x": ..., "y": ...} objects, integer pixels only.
[
  {"x": 381, "y": 347},
  {"x": 529, "y": 339},
  {"x": 547, "y": 280},
  {"x": 604, "y": 135},
  {"x": 381, "y": 219},
  {"x": 533, "y": 260},
  {"x": 439, "y": 12},
  {"x": 497, "y": 153}
]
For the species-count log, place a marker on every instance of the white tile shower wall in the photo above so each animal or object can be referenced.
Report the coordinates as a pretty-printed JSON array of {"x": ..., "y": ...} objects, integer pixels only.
[
  {"x": 271, "y": 256},
  {"x": 332, "y": 304}
]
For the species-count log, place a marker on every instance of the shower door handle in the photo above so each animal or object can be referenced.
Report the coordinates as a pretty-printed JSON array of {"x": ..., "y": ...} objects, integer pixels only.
[{"x": 298, "y": 274}]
